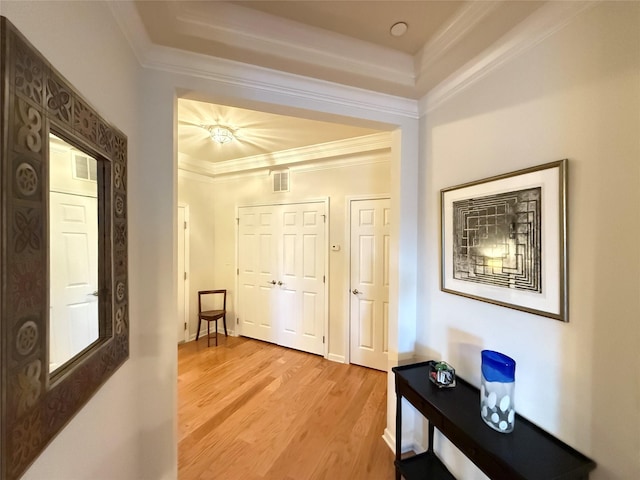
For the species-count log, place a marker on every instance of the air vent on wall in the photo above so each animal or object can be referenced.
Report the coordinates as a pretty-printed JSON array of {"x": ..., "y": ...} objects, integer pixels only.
[
  {"x": 281, "y": 181},
  {"x": 84, "y": 167}
]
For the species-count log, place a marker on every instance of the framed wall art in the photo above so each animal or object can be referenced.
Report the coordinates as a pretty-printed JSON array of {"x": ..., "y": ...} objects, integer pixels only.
[{"x": 504, "y": 240}]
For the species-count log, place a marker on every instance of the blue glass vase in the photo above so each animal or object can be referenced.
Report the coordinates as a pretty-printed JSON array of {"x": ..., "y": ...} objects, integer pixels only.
[{"x": 496, "y": 391}]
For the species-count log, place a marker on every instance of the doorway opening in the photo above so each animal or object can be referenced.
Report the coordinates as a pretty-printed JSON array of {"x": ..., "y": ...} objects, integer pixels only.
[{"x": 330, "y": 160}]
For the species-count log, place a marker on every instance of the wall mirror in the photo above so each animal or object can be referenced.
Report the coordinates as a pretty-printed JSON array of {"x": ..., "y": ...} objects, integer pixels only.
[
  {"x": 64, "y": 325},
  {"x": 74, "y": 316}
]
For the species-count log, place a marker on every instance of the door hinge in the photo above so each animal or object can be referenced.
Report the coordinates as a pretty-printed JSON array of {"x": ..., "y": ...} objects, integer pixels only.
[
  {"x": 185, "y": 275},
  {"x": 185, "y": 225},
  {"x": 324, "y": 219},
  {"x": 237, "y": 321},
  {"x": 237, "y": 271},
  {"x": 237, "y": 221},
  {"x": 185, "y": 325},
  {"x": 323, "y": 339},
  {"x": 324, "y": 279}
]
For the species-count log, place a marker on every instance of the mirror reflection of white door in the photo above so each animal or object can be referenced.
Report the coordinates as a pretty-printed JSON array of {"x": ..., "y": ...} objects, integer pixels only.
[
  {"x": 369, "y": 293},
  {"x": 73, "y": 224}
]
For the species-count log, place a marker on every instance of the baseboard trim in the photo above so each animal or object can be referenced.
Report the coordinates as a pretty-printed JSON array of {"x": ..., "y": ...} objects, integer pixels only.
[
  {"x": 336, "y": 358},
  {"x": 231, "y": 333},
  {"x": 390, "y": 439}
]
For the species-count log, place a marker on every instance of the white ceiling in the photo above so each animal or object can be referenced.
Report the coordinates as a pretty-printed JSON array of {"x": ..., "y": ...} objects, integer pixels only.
[
  {"x": 345, "y": 42},
  {"x": 257, "y": 133}
]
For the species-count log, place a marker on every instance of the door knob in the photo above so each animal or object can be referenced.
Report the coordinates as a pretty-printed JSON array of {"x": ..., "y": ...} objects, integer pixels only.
[
  {"x": 355, "y": 291},
  {"x": 280, "y": 283},
  {"x": 272, "y": 282},
  {"x": 95, "y": 294}
]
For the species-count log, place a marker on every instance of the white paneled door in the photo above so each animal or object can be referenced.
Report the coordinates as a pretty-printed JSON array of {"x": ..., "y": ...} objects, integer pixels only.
[
  {"x": 300, "y": 297},
  {"x": 369, "y": 305},
  {"x": 74, "y": 275},
  {"x": 257, "y": 260},
  {"x": 281, "y": 258}
]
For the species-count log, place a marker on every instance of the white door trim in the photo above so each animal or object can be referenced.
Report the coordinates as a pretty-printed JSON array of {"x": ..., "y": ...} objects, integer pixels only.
[
  {"x": 348, "y": 200},
  {"x": 326, "y": 201},
  {"x": 187, "y": 293}
]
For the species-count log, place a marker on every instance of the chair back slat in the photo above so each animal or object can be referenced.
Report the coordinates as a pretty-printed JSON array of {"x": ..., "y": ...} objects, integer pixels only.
[{"x": 212, "y": 300}]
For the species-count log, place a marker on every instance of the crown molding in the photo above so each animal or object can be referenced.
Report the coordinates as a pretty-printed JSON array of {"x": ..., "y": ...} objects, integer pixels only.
[
  {"x": 198, "y": 177},
  {"x": 127, "y": 18},
  {"x": 321, "y": 151},
  {"x": 229, "y": 72},
  {"x": 463, "y": 22},
  {"x": 246, "y": 76},
  {"x": 367, "y": 158},
  {"x": 544, "y": 22},
  {"x": 342, "y": 150}
]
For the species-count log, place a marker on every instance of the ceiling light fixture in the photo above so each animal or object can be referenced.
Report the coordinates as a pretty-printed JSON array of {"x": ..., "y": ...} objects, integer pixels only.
[
  {"x": 220, "y": 134},
  {"x": 398, "y": 29}
]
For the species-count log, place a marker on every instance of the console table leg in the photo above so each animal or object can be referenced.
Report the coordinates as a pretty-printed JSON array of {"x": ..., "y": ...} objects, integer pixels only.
[{"x": 398, "y": 433}]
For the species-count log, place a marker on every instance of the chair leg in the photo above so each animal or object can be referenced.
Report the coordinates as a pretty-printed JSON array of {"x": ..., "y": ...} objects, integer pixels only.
[
  {"x": 208, "y": 335},
  {"x": 216, "y": 332},
  {"x": 199, "y": 323},
  {"x": 224, "y": 322}
]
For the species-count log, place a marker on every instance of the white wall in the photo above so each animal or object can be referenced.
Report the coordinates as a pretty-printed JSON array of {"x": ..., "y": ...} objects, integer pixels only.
[
  {"x": 215, "y": 203},
  {"x": 576, "y": 95},
  {"x": 197, "y": 192},
  {"x": 83, "y": 42}
]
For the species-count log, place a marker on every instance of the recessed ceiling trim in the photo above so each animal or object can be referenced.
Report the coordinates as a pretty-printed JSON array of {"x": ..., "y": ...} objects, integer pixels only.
[
  {"x": 326, "y": 96},
  {"x": 545, "y": 21},
  {"x": 260, "y": 32},
  {"x": 234, "y": 73},
  {"x": 464, "y": 21}
]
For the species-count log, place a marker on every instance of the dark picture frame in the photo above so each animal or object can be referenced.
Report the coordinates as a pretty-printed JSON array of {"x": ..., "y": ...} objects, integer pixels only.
[{"x": 504, "y": 240}]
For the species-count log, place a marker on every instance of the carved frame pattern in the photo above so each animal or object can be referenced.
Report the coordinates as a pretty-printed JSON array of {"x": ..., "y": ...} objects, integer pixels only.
[{"x": 35, "y": 405}]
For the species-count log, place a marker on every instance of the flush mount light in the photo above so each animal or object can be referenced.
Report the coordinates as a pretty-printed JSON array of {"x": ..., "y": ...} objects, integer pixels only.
[
  {"x": 220, "y": 133},
  {"x": 398, "y": 29}
]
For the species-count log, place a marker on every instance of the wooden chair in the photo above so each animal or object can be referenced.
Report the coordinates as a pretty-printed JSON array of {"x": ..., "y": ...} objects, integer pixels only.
[{"x": 212, "y": 315}]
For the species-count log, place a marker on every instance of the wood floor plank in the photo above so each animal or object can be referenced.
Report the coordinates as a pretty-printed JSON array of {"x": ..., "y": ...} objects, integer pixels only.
[{"x": 249, "y": 410}]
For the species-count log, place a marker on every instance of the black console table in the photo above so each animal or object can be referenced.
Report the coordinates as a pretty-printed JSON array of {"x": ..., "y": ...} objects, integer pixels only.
[{"x": 526, "y": 453}]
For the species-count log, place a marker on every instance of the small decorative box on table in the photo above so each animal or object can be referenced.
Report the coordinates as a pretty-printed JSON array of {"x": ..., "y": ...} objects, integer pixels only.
[{"x": 526, "y": 453}]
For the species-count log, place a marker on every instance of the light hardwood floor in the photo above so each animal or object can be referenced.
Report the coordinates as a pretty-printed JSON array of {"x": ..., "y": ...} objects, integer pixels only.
[{"x": 249, "y": 410}]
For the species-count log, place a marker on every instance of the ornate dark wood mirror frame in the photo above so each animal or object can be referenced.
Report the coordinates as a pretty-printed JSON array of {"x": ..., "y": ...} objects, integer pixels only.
[{"x": 37, "y": 100}]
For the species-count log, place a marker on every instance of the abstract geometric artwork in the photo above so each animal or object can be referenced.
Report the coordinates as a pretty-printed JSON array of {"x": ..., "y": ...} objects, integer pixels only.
[
  {"x": 497, "y": 240},
  {"x": 504, "y": 240}
]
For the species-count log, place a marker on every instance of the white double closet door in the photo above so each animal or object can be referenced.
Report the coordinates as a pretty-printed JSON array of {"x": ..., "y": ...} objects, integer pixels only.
[{"x": 281, "y": 274}]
